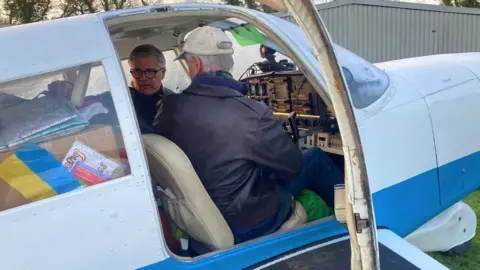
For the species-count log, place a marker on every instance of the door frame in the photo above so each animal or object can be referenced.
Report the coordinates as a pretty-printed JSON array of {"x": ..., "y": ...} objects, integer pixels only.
[{"x": 359, "y": 206}]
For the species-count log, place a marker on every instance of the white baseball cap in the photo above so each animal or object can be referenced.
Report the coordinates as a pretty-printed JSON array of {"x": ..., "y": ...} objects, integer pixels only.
[{"x": 206, "y": 40}]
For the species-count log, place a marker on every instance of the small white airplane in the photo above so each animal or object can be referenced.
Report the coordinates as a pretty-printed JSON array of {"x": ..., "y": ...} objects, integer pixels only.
[{"x": 79, "y": 190}]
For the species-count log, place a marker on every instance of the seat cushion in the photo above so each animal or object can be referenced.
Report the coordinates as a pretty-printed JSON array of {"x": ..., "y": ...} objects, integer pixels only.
[{"x": 184, "y": 198}]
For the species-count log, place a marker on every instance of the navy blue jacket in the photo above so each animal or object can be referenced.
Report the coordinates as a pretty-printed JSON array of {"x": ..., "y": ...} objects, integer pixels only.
[{"x": 145, "y": 108}]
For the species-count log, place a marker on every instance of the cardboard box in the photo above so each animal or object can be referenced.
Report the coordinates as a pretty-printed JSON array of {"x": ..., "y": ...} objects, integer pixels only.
[
  {"x": 102, "y": 139},
  {"x": 5, "y": 155},
  {"x": 10, "y": 197},
  {"x": 33, "y": 174}
]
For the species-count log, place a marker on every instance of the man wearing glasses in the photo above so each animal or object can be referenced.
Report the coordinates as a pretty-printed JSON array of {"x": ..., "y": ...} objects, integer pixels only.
[{"x": 147, "y": 66}]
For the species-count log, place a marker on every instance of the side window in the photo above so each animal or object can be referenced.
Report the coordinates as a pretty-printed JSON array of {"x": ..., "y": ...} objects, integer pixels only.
[{"x": 59, "y": 132}]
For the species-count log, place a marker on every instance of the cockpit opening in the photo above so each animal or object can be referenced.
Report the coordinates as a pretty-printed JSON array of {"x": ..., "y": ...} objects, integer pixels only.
[{"x": 274, "y": 80}]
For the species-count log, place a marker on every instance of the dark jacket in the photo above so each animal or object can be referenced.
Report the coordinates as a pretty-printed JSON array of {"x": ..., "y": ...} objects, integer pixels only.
[
  {"x": 145, "y": 108},
  {"x": 230, "y": 139}
]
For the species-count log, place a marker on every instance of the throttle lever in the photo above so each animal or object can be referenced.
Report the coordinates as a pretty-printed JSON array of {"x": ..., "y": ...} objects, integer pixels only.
[{"x": 292, "y": 121}]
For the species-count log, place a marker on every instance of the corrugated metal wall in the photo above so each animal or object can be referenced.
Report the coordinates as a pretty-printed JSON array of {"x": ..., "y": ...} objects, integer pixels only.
[{"x": 381, "y": 33}]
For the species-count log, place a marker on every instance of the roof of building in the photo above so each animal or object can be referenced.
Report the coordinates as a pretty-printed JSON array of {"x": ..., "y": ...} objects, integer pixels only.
[
  {"x": 395, "y": 4},
  {"x": 398, "y": 4}
]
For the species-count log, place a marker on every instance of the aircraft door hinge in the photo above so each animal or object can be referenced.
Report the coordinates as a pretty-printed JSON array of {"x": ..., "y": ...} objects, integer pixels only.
[{"x": 360, "y": 223}]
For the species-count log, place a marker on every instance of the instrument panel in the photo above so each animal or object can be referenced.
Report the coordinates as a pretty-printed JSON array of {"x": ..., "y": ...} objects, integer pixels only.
[{"x": 289, "y": 91}]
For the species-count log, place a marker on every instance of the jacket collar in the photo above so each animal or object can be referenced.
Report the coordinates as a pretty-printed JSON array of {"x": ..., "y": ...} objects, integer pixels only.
[{"x": 220, "y": 84}]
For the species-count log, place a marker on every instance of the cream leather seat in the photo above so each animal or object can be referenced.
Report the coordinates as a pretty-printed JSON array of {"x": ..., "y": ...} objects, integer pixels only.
[{"x": 186, "y": 201}]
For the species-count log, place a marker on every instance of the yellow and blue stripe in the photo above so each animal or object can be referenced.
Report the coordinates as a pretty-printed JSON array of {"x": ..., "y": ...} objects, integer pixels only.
[{"x": 36, "y": 174}]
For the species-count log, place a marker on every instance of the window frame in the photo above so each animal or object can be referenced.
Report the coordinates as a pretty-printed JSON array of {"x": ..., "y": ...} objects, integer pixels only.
[{"x": 79, "y": 92}]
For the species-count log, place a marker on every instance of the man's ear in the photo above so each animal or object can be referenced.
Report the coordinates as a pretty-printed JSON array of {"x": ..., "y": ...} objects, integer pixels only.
[{"x": 198, "y": 62}]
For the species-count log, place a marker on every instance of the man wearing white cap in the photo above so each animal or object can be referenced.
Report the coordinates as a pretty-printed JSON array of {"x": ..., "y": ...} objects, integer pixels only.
[{"x": 232, "y": 141}]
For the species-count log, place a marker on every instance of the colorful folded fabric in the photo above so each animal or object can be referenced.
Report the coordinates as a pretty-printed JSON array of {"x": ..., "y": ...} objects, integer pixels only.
[{"x": 36, "y": 174}]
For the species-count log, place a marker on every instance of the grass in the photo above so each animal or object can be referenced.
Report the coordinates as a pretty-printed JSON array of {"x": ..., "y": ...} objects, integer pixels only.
[{"x": 471, "y": 259}]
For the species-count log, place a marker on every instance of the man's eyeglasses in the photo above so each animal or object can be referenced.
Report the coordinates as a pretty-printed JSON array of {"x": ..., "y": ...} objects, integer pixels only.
[{"x": 149, "y": 73}]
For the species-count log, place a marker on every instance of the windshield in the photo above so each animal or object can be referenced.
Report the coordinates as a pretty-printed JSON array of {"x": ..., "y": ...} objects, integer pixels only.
[{"x": 366, "y": 83}]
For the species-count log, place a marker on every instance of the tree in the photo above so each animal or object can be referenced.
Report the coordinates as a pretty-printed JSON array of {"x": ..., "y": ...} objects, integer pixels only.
[
  {"x": 233, "y": 2},
  {"x": 77, "y": 7},
  {"x": 116, "y": 4},
  {"x": 252, "y": 4},
  {"x": 462, "y": 3},
  {"x": 4, "y": 16},
  {"x": 268, "y": 9},
  {"x": 26, "y": 11}
]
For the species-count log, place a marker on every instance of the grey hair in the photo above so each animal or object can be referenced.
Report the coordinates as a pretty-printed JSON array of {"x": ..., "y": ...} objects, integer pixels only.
[
  {"x": 219, "y": 62},
  {"x": 147, "y": 50}
]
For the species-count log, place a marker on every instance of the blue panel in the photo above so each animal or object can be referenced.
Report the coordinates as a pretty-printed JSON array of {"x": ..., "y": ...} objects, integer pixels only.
[
  {"x": 407, "y": 205},
  {"x": 41, "y": 162},
  {"x": 245, "y": 256},
  {"x": 459, "y": 178}
]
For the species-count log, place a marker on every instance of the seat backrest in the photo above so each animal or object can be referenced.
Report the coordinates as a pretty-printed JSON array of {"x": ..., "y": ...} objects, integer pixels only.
[{"x": 184, "y": 197}]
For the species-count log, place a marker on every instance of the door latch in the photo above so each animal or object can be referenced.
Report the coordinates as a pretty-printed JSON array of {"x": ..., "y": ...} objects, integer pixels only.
[{"x": 360, "y": 223}]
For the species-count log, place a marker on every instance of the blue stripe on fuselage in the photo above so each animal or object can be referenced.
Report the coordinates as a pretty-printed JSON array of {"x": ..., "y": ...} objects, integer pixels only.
[
  {"x": 409, "y": 204},
  {"x": 248, "y": 255},
  {"x": 459, "y": 178},
  {"x": 402, "y": 208}
]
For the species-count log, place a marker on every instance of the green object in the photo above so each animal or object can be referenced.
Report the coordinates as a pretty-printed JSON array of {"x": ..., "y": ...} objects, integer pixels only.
[
  {"x": 315, "y": 207},
  {"x": 177, "y": 232},
  {"x": 180, "y": 234},
  {"x": 247, "y": 35}
]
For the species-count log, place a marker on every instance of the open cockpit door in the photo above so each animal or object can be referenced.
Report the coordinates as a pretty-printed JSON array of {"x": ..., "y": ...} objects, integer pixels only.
[{"x": 358, "y": 202}]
